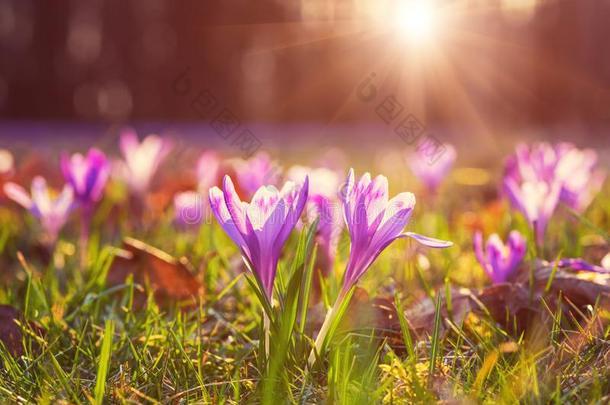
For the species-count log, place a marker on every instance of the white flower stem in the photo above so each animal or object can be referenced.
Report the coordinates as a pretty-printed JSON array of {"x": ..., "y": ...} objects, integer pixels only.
[{"x": 328, "y": 320}]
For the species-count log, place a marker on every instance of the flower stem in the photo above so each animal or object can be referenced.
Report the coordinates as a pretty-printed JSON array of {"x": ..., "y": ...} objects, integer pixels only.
[
  {"x": 328, "y": 320},
  {"x": 84, "y": 236},
  {"x": 266, "y": 332}
]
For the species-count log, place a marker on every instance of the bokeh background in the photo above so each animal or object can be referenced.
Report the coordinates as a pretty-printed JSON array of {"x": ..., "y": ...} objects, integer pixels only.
[{"x": 477, "y": 73}]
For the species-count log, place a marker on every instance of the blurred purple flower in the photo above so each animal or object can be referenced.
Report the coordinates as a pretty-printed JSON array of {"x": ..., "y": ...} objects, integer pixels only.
[
  {"x": 536, "y": 200},
  {"x": 256, "y": 172},
  {"x": 580, "y": 178},
  {"x": 208, "y": 167},
  {"x": 432, "y": 174},
  {"x": 189, "y": 208},
  {"x": 87, "y": 175},
  {"x": 498, "y": 260},
  {"x": 323, "y": 203},
  {"x": 574, "y": 169},
  {"x": 581, "y": 265},
  {"x": 141, "y": 159},
  {"x": 52, "y": 212},
  {"x": 374, "y": 222},
  {"x": 260, "y": 228}
]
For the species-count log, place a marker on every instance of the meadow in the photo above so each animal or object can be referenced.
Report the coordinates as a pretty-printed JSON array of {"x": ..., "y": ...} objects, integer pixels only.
[{"x": 136, "y": 276}]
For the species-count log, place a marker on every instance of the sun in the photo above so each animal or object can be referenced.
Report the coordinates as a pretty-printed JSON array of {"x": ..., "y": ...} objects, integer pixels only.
[{"x": 415, "y": 20}]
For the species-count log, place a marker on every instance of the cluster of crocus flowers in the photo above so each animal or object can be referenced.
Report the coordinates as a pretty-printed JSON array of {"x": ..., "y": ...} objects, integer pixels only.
[
  {"x": 374, "y": 221},
  {"x": 52, "y": 211},
  {"x": 540, "y": 176},
  {"x": 260, "y": 228},
  {"x": 431, "y": 174},
  {"x": 498, "y": 260},
  {"x": 141, "y": 159}
]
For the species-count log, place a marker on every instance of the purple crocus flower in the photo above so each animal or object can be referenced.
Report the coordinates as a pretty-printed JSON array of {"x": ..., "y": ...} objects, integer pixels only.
[
  {"x": 324, "y": 204},
  {"x": 260, "y": 228},
  {"x": 87, "y": 175},
  {"x": 536, "y": 200},
  {"x": 580, "y": 179},
  {"x": 141, "y": 159},
  {"x": 574, "y": 169},
  {"x": 254, "y": 173},
  {"x": 431, "y": 174},
  {"x": 51, "y": 212},
  {"x": 208, "y": 167},
  {"x": 189, "y": 208},
  {"x": 498, "y": 260},
  {"x": 374, "y": 222}
]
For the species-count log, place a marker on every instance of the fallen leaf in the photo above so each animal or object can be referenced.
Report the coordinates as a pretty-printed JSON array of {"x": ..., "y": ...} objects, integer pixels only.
[
  {"x": 508, "y": 304},
  {"x": 171, "y": 279},
  {"x": 582, "y": 289}
]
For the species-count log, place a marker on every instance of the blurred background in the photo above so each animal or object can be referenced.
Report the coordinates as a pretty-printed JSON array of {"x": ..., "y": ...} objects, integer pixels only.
[{"x": 319, "y": 71}]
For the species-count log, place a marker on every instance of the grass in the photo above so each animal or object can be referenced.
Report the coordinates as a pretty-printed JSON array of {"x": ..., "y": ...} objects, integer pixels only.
[{"x": 100, "y": 347}]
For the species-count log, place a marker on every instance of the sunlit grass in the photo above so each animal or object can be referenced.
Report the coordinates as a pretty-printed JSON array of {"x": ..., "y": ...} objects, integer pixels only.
[{"x": 100, "y": 347}]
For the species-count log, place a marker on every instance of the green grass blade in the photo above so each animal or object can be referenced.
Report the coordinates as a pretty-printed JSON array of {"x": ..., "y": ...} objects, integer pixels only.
[{"x": 104, "y": 362}]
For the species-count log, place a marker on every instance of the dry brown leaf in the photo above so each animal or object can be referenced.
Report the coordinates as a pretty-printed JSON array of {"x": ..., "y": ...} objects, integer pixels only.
[{"x": 171, "y": 279}]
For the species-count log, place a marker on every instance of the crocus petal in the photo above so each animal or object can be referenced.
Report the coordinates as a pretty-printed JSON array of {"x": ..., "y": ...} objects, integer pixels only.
[
  {"x": 208, "y": 167},
  {"x": 18, "y": 194},
  {"x": 40, "y": 195},
  {"x": 236, "y": 208},
  {"x": 376, "y": 199},
  {"x": 98, "y": 173},
  {"x": 75, "y": 170},
  {"x": 220, "y": 210},
  {"x": 581, "y": 265},
  {"x": 65, "y": 200},
  {"x": 128, "y": 142},
  {"x": 396, "y": 217},
  {"x": 428, "y": 241},
  {"x": 263, "y": 206},
  {"x": 480, "y": 255},
  {"x": 295, "y": 211},
  {"x": 517, "y": 249},
  {"x": 496, "y": 258}
]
